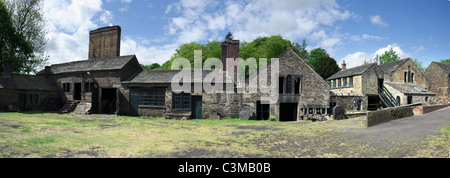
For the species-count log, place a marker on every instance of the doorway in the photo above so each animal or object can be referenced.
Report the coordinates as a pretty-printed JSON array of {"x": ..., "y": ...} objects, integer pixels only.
[
  {"x": 77, "y": 91},
  {"x": 410, "y": 99},
  {"x": 288, "y": 112},
  {"x": 197, "y": 107},
  {"x": 109, "y": 100},
  {"x": 262, "y": 111}
]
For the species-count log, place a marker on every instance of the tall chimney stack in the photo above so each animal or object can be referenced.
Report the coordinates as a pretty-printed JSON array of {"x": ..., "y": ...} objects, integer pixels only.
[
  {"x": 104, "y": 42},
  {"x": 344, "y": 65},
  {"x": 230, "y": 49}
]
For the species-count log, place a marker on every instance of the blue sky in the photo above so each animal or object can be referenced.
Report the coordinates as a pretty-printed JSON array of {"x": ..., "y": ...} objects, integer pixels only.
[{"x": 351, "y": 30}]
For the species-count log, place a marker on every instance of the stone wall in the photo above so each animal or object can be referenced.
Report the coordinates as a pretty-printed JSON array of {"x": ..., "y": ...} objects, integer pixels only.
[
  {"x": 399, "y": 75},
  {"x": 104, "y": 42},
  {"x": 355, "y": 90},
  {"x": 370, "y": 80},
  {"x": 10, "y": 97},
  {"x": 386, "y": 115},
  {"x": 439, "y": 82},
  {"x": 348, "y": 102},
  {"x": 225, "y": 105},
  {"x": 419, "y": 110}
]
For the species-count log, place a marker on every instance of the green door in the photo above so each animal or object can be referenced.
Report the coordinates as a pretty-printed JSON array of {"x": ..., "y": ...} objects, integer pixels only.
[
  {"x": 197, "y": 107},
  {"x": 134, "y": 102}
]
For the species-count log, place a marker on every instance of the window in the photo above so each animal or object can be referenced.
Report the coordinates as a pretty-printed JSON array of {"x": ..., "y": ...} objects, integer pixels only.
[
  {"x": 152, "y": 96},
  {"x": 339, "y": 83},
  {"x": 181, "y": 101},
  {"x": 345, "y": 81},
  {"x": 406, "y": 75},
  {"x": 89, "y": 87},
  {"x": 350, "y": 81},
  {"x": 334, "y": 83},
  {"x": 36, "y": 98},
  {"x": 66, "y": 87},
  {"x": 398, "y": 100},
  {"x": 289, "y": 84},
  {"x": 297, "y": 85},
  {"x": 409, "y": 76},
  {"x": 412, "y": 77},
  {"x": 281, "y": 85}
]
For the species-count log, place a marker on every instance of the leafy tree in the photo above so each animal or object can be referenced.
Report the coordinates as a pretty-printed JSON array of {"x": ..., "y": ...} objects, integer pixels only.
[
  {"x": 419, "y": 65},
  {"x": 152, "y": 66},
  {"x": 14, "y": 48},
  {"x": 314, "y": 56},
  {"x": 326, "y": 67},
  {"x": 27, "y": 18},
  {"x": 445, "y": 61},
  {"x": 389, "y": 56},
  {"x": 301, "y": 50}
]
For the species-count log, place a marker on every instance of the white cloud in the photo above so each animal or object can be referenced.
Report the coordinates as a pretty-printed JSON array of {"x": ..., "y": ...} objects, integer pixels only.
[
  {"x": 293, "y": 20},
  {"x": 68, "y": 24},
  {"x": 147, "y": 54},
  {"x": 376, "y": 20},
  {"x": 355, "y": 59},
  {"x": 402, "y": 54},
  {"x": 126, "y": 1},
  {"x": 358, "y": 58}
]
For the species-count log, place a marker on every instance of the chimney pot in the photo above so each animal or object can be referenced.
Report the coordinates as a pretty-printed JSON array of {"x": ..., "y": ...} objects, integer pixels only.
[{"x": 344, "y": 65}]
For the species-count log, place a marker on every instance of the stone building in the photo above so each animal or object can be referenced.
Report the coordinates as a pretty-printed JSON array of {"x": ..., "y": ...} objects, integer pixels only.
[
  {"x": 407, "y": 83},
  {"x": 96, "y": 82},
  {"x": 27, "y": 92},
  {"x": 301, "y": 92},
  {"x": 438, "y": 75},
  {"x": 356, "y": 89}
]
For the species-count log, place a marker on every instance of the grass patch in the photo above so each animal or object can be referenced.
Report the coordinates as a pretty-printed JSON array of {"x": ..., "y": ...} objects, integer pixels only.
[{"x": 53, "y": 135}]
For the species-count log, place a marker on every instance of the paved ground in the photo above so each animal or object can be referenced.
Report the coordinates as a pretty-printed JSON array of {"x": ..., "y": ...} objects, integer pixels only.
[{"x": 399, "y": 138}]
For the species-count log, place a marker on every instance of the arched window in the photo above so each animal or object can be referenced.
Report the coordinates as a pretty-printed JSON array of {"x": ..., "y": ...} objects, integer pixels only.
[{"x": 289, "y": 85}]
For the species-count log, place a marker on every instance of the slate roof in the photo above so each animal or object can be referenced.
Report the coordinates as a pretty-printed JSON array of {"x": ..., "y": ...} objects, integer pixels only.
[
  {"x": 351, "y": 72},
  {"x": 149, "y": 76},
  {"x": 27, "y": 82},
  {"x": 391, "y": 67},
  {"x": 90, "y": 65},
  {"x": 409, "y": 88},
  {"x": 443, "y": 66}
]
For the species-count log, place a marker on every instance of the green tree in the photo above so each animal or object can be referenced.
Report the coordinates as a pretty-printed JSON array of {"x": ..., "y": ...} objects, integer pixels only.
[
  {"x": 419, "y": 65},
  {"x": 14, "y": 48},
  {"x": 326, "y": 67},
  {"x": 389, "y": 56},
  {"x": 27, "y": 18},
  {"x": 301, "y": 50},
  {"x": 314, "y": 56},
  {"x": 152, "y": 66},
  {"x": 445, "y": 61}
]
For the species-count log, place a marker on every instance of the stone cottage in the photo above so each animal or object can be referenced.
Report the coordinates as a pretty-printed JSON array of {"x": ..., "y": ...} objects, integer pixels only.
[
  {"x": 438, "y": 75},
  {"x": 356, "y": 89},
  {"x": 406, "y": 82}
]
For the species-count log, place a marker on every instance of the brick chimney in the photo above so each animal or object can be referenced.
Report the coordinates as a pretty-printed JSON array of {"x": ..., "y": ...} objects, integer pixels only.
[
  {"x": 344, "y": 65},
  {"x": 230, "y": 49},
  {"x": 104, "y": 42},
  {"x": 7, "y": 70}
]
